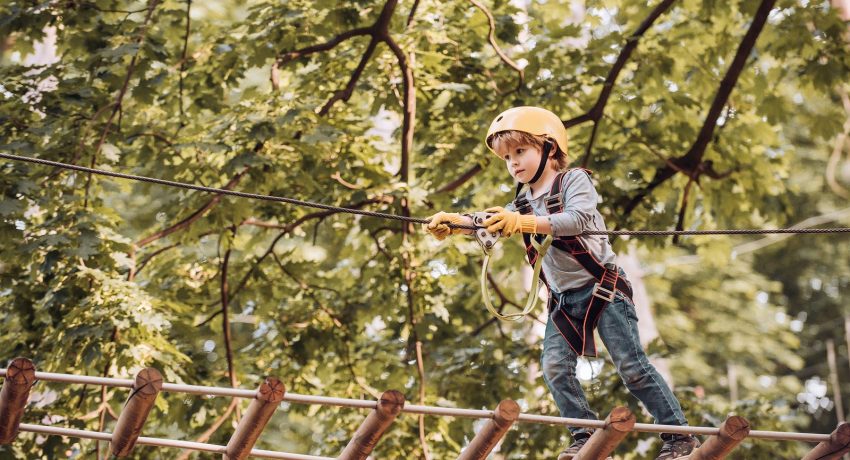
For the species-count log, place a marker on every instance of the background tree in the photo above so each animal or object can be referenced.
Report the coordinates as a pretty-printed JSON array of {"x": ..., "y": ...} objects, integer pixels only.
[{"x": 693, "y": 114}]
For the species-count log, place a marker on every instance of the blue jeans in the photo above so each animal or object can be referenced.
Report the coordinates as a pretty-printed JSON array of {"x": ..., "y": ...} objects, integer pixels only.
[{"x": 618, "y": 330}]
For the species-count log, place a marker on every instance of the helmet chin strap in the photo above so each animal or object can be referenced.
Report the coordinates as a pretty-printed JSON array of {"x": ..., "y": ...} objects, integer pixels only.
[{"x": 544, "y": 159}]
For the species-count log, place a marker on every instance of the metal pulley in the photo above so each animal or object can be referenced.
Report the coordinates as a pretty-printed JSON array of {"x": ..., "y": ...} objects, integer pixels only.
[{"x": 486, "y": 239}]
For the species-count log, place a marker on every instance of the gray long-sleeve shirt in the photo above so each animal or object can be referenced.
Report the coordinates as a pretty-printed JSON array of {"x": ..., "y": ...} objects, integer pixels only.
[{"x": 580, "y": 198}]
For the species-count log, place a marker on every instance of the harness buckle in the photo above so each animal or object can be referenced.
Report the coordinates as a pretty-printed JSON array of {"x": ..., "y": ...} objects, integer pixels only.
[
  {"x": 609, "y": 278},
  {"x": 554, "y": 203},
  {"x": 605, "y": 294},
  {"x": 486, "y": 239},
  {"x": 522, "y": 205}
]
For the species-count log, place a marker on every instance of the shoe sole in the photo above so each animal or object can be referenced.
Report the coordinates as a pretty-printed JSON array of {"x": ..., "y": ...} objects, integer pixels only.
[{"x": 564, "y": 456}]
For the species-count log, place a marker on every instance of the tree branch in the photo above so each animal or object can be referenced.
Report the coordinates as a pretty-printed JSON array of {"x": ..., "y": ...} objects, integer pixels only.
[
  {"x": 408, "y": 273},
  {"x": 287, "y": 229},
  {"x": 464, "y": 178},
  {"x": 151, "y": 256},
  {"x": 357, "y": 379},
  {"x": 94, "y": 6},
  {"x": 225, "y": 320},
  {"x": 205, "y": 436},
  {"x": 412, "y": 12},
  {"x": 502, "y": 297},
  {"x": 192, "y": 218},
  {"x": 586, "y": 159},
  {"x": 156, "y": 136},
  {"x": 680, "y": 224},
  {"x": 379, "y": 31},
  {"x": 345, "y": 94},
  {"x": 692, "y": 159},
  {"x": 310, "y": 291},
  {"x": 837, "y": 150},
  {"x": 338, "y": 177},
  {"x": 421, "y": 369},
  {"x": 491, "y": 37},
  {"x": 378, "y": 245},
  {"x": 596, "y": 112},
  {"x": 183, "y": 62},
  {"x": 120, "y": 98},
  {"x": 409, "y": 107},
  {"x": 327, "y": 46},
  {"x": 104, "y": 404},
  {"x": 81, "y": 139},
  {"x": 648, "y": 146}
]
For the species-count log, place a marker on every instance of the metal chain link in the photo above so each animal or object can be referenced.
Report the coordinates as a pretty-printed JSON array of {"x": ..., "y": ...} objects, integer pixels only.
[{"x": 415, "y": 220}]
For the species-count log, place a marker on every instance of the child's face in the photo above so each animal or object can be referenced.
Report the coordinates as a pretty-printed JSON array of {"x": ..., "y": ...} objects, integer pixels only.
[{"x": 522, "y": 160}]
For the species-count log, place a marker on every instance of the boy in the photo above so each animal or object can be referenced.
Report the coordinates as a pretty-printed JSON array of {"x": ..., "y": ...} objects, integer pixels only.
[{"x": 586, "y": 289}]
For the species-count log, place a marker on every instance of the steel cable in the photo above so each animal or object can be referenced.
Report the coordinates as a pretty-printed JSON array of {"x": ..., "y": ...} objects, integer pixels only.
[{"x": 416, "y": 220}]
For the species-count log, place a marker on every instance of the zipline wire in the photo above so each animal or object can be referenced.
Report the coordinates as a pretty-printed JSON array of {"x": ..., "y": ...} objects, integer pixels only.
[
  {"x": 417, "y": 220},
  {"x": 220, "y": 191}
]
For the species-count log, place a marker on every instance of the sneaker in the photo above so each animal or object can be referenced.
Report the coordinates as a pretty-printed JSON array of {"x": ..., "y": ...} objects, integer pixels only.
[
  {"x": 576, "y": 446},
  {"x": 678, "y": 447}
]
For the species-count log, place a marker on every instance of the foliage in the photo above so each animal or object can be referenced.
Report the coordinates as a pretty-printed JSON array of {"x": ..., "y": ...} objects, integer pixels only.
[{"x": 102, "y": 277}]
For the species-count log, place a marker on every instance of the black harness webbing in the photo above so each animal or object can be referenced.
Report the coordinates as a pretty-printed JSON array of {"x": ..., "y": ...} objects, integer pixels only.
[{"x": 578, "y": 332}]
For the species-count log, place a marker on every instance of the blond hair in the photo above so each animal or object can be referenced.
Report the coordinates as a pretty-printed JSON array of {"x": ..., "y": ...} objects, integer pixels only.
[{"x": 509, "y": 139}]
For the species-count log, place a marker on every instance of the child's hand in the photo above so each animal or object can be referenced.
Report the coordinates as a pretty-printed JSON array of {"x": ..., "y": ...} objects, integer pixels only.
[
  {"x": 438, "y": 227},
  {"x": 509, "y": 222}
]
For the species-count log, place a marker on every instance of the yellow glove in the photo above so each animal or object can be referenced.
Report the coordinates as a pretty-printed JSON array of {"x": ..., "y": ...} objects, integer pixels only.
[
  {"x": 509, "y": 222},
  {"x": 438, "y": 227}
]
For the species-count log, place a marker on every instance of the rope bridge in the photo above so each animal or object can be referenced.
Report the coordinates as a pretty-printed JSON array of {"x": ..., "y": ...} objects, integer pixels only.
[{"x": 21, "y": 376}]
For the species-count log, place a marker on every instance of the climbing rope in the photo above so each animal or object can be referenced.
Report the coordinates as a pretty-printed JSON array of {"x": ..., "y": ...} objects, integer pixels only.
[
  {"x": 531, "y": 300},
  {"x": 416, "y": 220}
]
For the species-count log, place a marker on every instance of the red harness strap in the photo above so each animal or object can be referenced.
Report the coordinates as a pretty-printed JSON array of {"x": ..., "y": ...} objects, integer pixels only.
[{"x": 578, "y": 332}]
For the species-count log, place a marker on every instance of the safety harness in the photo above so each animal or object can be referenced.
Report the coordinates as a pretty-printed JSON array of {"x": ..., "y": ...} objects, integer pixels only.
[{"x": 578, "y": 332}]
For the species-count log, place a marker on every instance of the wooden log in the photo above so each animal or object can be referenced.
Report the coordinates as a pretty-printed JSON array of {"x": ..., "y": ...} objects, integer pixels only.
[
  {"x": 20, "y": 377},
  {"x": 269, "y": 396},
  {"x": 507, "y": 412},
  {"x": 732, "y": 431},
  {"x": 838, "y": 445},
  {"x": 373, "y": 427},
  {"x": 602, "y": 442},
  {"x": 146, "y": 387}
]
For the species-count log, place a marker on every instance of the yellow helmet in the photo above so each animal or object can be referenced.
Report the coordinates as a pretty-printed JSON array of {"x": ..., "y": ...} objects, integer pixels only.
[{"x": 531, "y": 120}]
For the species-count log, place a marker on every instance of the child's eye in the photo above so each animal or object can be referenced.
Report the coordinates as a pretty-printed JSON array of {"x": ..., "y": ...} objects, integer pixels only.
[{"x": 519, "y": 151}]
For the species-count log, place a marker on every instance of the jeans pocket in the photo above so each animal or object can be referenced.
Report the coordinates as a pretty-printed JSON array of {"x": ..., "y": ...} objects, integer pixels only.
[{"x": 628, "y": 308}]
